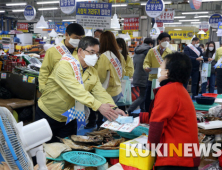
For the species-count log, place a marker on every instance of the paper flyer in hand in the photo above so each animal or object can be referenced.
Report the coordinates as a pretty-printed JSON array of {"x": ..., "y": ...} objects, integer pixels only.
[{"x": 127, "y": 127}]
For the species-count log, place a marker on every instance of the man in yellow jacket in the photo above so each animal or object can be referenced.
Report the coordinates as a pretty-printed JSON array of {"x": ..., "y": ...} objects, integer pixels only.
[
  {"x": 74, "y": 32},
  {"x": 154, "y": 59},
  {"x": 74, "y": 81}
]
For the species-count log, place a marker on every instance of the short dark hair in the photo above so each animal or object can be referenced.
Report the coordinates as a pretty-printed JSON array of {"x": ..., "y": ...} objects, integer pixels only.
[
  {"x": 88, "y": 42},
  {"x": 75, "y": 28},
  {"x": 100, "y": 31},
  {"x": 179, "y": 66},
  {"x": 195, "y": 39},
  {"x": 148, "y": 41},
  {"x": 201, "y": 45},
  {"x": 163, "y": 35}
]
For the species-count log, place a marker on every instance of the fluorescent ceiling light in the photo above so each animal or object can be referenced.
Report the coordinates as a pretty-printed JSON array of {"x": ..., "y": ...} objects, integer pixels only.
[
  {"x": 189, "y": 20},
  {"x": 119, "y": 5},
  {"x": 195, "y": 22},
  {"x": 1, "y": 11},
  {"x": 48, "y": 2},
  {"x": 193, "y": 13},
  {"x": 210, "y": 0},
  {"x": 50, "y": 20},
  {"x": 143, "y": 17},
  {"x": 44, "y": 9},
  {"x": 203, "y": 16},
  {"x": 166, "y": 3},
  {"x": 69, "y": 20},
  {"x": 16, "y": 4},
  {"x": 173, "y": 23},
  {"x": 178, "y": 29},
  {"x": 117, "y": 29},
  {"x": 18, "y": 10},
  {"x": 180, "y": 17}
]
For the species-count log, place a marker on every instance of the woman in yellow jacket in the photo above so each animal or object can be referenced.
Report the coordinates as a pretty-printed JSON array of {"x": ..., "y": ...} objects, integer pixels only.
[
  {"x": 129, "y": 62},
  {"x": 106, "y": 70}
]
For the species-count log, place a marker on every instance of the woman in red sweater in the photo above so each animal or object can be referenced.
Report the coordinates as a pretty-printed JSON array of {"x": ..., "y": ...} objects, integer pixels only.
[{"x": 173, "y": 118}]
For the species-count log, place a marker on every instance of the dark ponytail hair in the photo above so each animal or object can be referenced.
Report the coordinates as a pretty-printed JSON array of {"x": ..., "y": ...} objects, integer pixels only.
[{"x": 122, "y": 44}]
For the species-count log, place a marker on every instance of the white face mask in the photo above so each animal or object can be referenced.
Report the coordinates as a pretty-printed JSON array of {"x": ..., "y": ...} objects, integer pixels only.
[
  {"x": 159, "y": 73},
  {"x": 211, "y": 48},
  {"x": 90, "y": 60},
  {"x": 202, "y": 50},
  {"x": 197, "y": 45},
  {"x": 165, "y": 44},
  {"x": 74, "y": 42}
]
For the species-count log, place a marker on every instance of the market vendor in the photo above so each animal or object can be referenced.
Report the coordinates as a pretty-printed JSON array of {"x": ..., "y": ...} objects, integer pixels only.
[
  {"x": 173, "y": 117},
  {"x": 74, "y": 32},
  {"x": 74, "y": 82}
]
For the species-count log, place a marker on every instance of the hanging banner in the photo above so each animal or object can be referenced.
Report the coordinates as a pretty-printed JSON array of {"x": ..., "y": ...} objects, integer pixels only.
[
  {"x": 167, "y": 16},
  {"x": 29, "y": 13},
  {"x": 51, "y": 25},
  {"x": 195, "y": 4},
  {"x": 204, "y": 26},
  {"x": 154, "y": 8},
  {"x": 160, "y": 26},
  {"x": 67, "y": 6},
  {"x": 219, "y": 31},
  {"x": 187, "y": 35},
  {"x": 94, "y": 15},
  {"x": 131, "y": 23},
  {"x": 60, "y": 27},
  {"x": 25, "y": 27},
  {"x": 214, "y": 19}
]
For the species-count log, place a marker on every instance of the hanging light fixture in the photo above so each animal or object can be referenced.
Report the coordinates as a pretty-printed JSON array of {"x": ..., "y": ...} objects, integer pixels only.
[
  {"x": 115, "y": 22},
  {"x": 42, "y": 23},
  {"x": 201, "y": 32},
  {"x": 53, "y": 33},
  {"x": 89, "y": 33}
]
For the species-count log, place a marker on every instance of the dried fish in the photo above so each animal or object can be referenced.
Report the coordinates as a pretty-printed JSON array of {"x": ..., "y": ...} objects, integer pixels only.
[
  {"x": 75, "y": 146},
  {"x": 54, "y": 150},
  {"x": 114, "y": 144},
  {"x": 87, "y": 139}
]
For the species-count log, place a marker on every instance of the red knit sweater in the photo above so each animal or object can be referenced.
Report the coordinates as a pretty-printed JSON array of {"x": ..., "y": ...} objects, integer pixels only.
[{"x": 173, "y": 120}]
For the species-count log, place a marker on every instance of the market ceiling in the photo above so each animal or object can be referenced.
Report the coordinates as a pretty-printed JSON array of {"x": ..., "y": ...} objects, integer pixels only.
[{"x": 184, "y": 14}]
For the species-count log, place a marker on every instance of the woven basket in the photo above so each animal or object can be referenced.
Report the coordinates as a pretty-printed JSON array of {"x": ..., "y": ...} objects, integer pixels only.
[{"x": 210, "y": 131}]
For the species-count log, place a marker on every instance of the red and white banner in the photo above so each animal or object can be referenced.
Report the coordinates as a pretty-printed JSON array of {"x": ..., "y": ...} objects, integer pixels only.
[
  {"x": 22, "y": 27},
  {"x": 160, "y": 26},
  {"x": 131, "y": 23},
  {"x": 167, "y": 16},
  {"x": 204, "y": 26}
]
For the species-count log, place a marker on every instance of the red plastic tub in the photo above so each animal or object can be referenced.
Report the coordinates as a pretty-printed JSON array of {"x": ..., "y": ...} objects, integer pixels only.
[
  {"x": 210, "y": 95},
  {"x": 114, "y": 161}
]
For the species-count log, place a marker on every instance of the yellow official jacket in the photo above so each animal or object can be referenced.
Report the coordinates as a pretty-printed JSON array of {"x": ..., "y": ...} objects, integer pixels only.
[
  {"x": 103, "y": 66},
  {"x": 62, "y": 89},
  {"x": 52, "y": 57},
  {"x": 151, "y": 61},
  {"x": 218, "y": 54},
  {"x": 129, "y": 67}
]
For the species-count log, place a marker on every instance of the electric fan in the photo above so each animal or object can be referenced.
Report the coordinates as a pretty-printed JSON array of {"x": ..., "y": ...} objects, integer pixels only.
[{"x": 19, "y": 143}]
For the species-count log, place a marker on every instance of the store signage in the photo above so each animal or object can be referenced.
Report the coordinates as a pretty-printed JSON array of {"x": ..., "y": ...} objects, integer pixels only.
[
  {"x": 195, "y": 4},
  {"x": 214, "y": 19},
  {"x": 160, "y": 26},
  {"x": 29, "y": 12},
  {"x": 131, "y": 23},
  {"x": 51, "y": 25},
  {"x": 25, "y": 27},
  {"x": 186, "y": 35},
  {"x": 219, "y": 31},
  {"x": 94, "y": 15},
  {"x": 204, "y": 26},
  {"x": 60, "y": 27},
  {"x": 67, "y": 6},
  {"x": 154, "y": 8},
  {"x": 167, "y": 16}
]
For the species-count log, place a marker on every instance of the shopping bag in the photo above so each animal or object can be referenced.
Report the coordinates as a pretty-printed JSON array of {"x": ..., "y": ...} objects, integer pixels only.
[
  {"x": 206, "y": 70},
  {"x": 126, "y": 98},
  {"x": 155, "y": 84},
  {"x": 135, "y": 93}
]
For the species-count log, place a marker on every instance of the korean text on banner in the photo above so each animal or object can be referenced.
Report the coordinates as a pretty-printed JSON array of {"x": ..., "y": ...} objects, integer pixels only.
[
  {"x": 167, "y": 16},
  {"x": 195, "y": 4},
  {"x": 219, "y": 31},
  {"x": 94, "y": 15},
  {"x": 67, "y": 6},
  {"x": 131, "y": 23},
  {"x": 204, "y": 26},
  {"x": 29, "y": 13},
  {"x": 214, "y": 19},
  {"x": 154, "y": 8}
]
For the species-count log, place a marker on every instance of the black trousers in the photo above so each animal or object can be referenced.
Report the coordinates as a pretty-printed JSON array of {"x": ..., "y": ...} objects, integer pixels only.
[
  {"x": 139, "y": 101},
  {"x": 175, "y": 168},
  {"x": 59, "y": 129},
  {"x": 219, "y": 80},
  {"x": 92, "y": 118},
  {"x": 148, "y": 96},
  {"x": 194, "y": 82}
]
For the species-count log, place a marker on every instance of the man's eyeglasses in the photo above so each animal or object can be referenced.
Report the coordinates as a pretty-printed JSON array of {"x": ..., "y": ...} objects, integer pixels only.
[{"x": 92, "y": 53}]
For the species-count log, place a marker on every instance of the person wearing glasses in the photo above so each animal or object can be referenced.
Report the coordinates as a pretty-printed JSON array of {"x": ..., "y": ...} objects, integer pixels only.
[
  {"x": 154, "y": 59},
  {"x": 74, "y": 32},
  {"x": 63, "y": 88}
]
